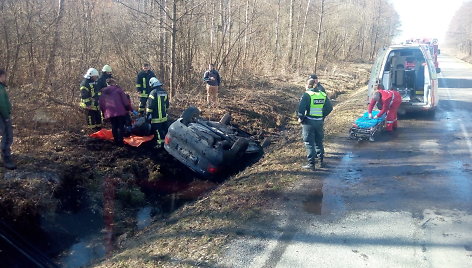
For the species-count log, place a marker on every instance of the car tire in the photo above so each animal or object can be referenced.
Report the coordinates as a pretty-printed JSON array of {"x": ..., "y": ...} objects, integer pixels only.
[
  {"x": 189, "y": 114},
  {"x": 239, "y": 147},
  {"x": 225, "y": 119}
]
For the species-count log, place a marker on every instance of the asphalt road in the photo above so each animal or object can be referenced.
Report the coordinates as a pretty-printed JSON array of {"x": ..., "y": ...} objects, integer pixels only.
[{"x": 402, "y": 201}]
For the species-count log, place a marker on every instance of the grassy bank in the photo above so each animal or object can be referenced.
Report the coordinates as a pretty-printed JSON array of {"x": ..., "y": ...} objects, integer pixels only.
[{"x": 195, "y": 235}]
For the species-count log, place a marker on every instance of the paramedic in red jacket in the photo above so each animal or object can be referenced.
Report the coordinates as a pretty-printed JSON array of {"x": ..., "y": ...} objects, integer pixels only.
[
  {"x": 388, "y": 101},
  {"x": 115, "y": 105}
]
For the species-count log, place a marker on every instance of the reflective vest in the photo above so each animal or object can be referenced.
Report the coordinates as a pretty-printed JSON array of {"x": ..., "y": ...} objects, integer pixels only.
[
  {"x": 317, "y": 102},
  {"x": 157, "y": 105},
  {"x": 89, "y": 95},
  {"x": 142, "y": 83}
]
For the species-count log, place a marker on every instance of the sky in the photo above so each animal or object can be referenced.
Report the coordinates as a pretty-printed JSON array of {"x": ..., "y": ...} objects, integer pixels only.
[{"x": 425, "y": 18}]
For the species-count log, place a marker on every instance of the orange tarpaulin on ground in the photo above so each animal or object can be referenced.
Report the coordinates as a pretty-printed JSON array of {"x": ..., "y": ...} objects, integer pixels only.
[{"x": 135, "y": 141}]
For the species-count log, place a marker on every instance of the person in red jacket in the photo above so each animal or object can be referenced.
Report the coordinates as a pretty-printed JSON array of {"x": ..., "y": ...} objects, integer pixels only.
[
  {"x": 115, "y": 105},
  {"x": 388, "y": 101}
]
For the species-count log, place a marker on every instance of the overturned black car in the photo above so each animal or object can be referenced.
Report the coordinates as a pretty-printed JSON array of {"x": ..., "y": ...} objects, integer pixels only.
[{"x": 208, "y": 148}]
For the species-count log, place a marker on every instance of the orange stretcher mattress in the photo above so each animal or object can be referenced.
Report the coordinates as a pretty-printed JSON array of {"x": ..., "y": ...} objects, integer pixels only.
[{"x": 135, "y": 141}]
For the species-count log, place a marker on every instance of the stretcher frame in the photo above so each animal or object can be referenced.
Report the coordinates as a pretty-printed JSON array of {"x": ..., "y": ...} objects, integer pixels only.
[{"x": 363, "y": 134}]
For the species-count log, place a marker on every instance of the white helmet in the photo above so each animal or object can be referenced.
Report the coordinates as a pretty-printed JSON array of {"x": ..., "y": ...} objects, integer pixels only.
[
  {"x": 107, "y": 68},
  {"x": 154, "y": 82},
  {"x": 91, "y": 72}
]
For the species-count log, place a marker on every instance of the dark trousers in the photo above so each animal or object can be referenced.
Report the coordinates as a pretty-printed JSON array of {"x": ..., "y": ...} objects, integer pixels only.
[
  {"x": 160, "y": 131},
  {"x": 118, "y": 128},
  {"x": 94, "y": 118},
  {"x": 143, "y": 97},
  {"x": 313, "y": 135},
  {"x": 6, "y": 130}
]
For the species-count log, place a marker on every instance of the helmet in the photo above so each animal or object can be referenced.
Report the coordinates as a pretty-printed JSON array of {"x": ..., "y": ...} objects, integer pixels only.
[
  {"x": 91, "y": 72},
  {"x": 154, "y": 82},
  {"x": 107, "y": 68}
]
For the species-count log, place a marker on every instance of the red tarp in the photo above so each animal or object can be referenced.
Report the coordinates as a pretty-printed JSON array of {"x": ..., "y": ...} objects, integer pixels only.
[{"x": 136, "y": 141}]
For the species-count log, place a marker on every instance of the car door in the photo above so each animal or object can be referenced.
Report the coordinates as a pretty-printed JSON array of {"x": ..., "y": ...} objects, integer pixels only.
[
  {"x": 430, "y": 79},
  {"x": 376, "y": 71}
]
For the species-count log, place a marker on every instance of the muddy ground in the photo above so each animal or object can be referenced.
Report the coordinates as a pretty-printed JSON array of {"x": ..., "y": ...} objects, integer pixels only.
[{"x": 61, "y": 170}]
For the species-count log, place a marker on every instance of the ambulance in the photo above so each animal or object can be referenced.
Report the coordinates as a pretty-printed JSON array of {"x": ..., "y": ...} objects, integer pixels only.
[{"x": 411, "y": 70}]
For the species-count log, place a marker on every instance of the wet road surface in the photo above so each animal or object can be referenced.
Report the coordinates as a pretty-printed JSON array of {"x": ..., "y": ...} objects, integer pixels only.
[{"x": 402, "y": 201}]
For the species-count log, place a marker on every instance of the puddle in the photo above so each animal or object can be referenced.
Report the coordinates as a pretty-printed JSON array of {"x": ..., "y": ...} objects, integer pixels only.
[
  {"x": 83, "y": 253},
  {"x": 144, "y": 218},
  {"x": 330, "y": 199},
  {"x": 314, "y": 202}
]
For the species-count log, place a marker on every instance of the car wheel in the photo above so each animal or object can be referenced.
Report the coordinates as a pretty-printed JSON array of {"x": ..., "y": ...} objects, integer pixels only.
[
  {"x": 225, "y": 119},
  {"x": 239, "y": 147},
  {"x": 189, "y": 114}
]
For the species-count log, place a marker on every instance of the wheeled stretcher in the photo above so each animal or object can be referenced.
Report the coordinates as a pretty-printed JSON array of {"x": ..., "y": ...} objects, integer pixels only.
[{"x": 367, "y": 129}]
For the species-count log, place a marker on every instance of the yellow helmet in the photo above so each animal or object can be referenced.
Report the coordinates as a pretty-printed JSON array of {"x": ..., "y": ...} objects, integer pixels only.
[{"x": 107, "y": 68}]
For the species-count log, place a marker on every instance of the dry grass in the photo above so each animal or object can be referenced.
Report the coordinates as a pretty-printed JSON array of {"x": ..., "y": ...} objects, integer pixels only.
[
  {"x": 49, "y": 146},
  {"x": 196, "y": 234}
]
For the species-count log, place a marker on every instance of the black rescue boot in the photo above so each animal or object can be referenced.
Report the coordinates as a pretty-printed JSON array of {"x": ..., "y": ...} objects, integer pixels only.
[
  {"x": 309, "y": 165},
  {"x": 322, "y": 164},
  {"x": 8, "y": 163}
]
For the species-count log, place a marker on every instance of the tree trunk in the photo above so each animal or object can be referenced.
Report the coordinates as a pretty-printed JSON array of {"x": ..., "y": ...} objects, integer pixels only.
[
  {"x": 162, "y": 43},
  {"x": 246, "y": 38},
  {"x": 318, "y": 36},
  {"x": 277, "y": 33},
  {"x": 50, "y": 64},
  {"x": 301, "y": 42},
  {"x": 173, "y": 49},
  {"x": 377, "y": 27},
  {"x": 290, "y": 34}
]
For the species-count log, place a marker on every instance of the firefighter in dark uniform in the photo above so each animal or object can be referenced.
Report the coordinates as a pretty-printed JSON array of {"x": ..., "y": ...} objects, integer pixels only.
[
  {"x": 313, "y": 108},
  {"x": 89, "y": 97},
  {"x": 156, "y": 110},
  {"x": 102, "y": 80},
  {"x": 142, "y": 86}
]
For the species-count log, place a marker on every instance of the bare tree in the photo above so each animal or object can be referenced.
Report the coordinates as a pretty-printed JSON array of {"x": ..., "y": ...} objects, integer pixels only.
[
  {"x": 291, "y": 32},
  {"x": 50, "y": 64},
  {"x": 318, "y": 34},
  {"x": 180, "y": 37}
]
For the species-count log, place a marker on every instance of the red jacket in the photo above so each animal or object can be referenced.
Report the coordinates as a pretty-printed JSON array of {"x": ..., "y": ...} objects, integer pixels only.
[
  {"x": 114, "y": 102},
  {"x": 388, "y": 99}
]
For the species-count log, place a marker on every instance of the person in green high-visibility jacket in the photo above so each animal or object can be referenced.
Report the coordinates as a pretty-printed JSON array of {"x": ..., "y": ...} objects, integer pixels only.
[
  {"x": 142, "y": 86},
  {"x": 156, "y": 110},
  {"x": 313, "y": 108},
  {"x": 6, "y": 128}
]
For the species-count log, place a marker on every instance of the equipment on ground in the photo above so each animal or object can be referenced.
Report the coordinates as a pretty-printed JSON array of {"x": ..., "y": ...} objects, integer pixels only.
[
  {"x": 133, "y": 140},
  {"x": 366, "y": 128}
]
